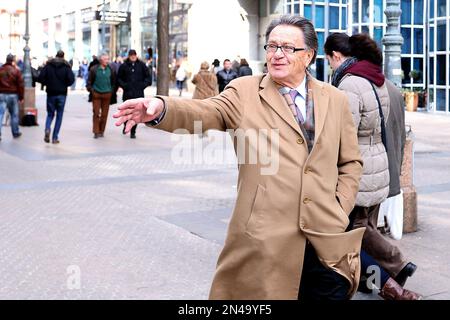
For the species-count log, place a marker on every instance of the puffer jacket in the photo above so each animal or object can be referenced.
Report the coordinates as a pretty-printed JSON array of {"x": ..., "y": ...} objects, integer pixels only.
[{"x": 374, "y": 184}]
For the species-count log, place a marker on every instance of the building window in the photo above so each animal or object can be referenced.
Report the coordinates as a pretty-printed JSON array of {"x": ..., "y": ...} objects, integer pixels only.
[
  {"x": 431, "y": 69},
  {"x": 418, "y": 41},
  {"x": 320, "y": 69},
  {"x": 334, "y": 17},
  {"x": 355, "y": 12},
  {"x": 307, "y": 11},
  {"x": 406, "y": 11},
  {"x": 431, "y": 9},
  {"x": 432, "y": 38},
  {"x": 418, "y": 66},
  {"x": 378, "y": 11},
  {"x": 406, "y": 68},
  {"x": 319, "y": 20},
  {"x": 418, "y": 12},
  {"x": 344, "y": 19},
  {"x": 321, "y": 40},
  {"x": 440, "y": 69},
  {"x": 441, "y": 8},
  {"x": 441, "y": 36},
  {"x": 406, "y": 34},
  {"x": 378, "y": 35},
  {"x": 440, "y": 99},
  {"x": 365, "y": 11}
]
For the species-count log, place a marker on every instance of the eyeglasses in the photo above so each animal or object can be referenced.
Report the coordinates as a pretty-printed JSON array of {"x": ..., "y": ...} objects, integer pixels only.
[{"x": 272, "y": 48}]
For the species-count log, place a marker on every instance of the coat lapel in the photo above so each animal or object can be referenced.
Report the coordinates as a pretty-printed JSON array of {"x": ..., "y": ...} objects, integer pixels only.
[
  {"x": 269, "y": 92},
  {"x": 321, "y": 101}
]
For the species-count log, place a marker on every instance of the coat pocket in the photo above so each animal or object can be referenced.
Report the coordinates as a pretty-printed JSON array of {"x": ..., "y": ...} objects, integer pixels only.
[
  {"x": 255, "y": 220},
  {"x": 340, "y": 252}
]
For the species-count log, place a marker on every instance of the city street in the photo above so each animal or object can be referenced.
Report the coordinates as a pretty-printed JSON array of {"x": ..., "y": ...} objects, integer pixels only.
[{"x": 117, "y": 218}]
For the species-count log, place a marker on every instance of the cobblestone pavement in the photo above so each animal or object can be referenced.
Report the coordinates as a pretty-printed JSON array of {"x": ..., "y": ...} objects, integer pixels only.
[{"x": 116, "y": 218}]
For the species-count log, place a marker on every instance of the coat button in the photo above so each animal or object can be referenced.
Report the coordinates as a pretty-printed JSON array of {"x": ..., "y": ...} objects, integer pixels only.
[
  {"x": 306, "y": 200},
  {"x": 300, "y": 140},
  {"x": 308, "y": 170}
]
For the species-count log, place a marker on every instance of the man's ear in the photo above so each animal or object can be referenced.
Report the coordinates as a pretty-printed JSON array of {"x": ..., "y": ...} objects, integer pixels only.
[{"x": 310, "y": 55}]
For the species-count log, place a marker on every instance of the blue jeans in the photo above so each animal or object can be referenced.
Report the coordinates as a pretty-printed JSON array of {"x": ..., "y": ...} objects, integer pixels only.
[
  {"x": 55, "y": 104},
  {"x": 10, "y": 101}
]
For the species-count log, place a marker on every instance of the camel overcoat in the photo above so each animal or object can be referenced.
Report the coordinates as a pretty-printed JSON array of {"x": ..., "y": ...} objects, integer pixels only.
[{"x": 309, "y": 196}]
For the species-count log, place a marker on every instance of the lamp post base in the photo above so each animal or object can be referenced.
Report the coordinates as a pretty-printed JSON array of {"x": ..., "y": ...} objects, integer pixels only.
[{"x": 28, "y": 113}]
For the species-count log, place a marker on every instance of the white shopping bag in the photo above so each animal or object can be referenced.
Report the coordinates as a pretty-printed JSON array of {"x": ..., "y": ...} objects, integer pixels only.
[{"x": 392, "y": 209}]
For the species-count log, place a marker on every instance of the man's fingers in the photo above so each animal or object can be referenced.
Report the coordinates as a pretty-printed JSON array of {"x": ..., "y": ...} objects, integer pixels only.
[
  {"x": 129, "y": 125},
  {"x": 124, "y": 118}
]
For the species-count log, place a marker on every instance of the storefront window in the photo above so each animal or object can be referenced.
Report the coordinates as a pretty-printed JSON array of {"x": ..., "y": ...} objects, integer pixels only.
[
  {"x": 441, "y": 36},
  {"x": 440, "y": 99},
  {"x": 378, "y": 11},
  {"x": 418, "y": 12},
  {"x": 441, "y": 69},
  {"x": 319, "y": 21},
  {"x": 344, "y": 19},
  {"x": 418, "y": 41},
  {"x": 406, "y": 11},
  {"x": 406, "y": 68},
  {"x": 406, "y": 34},
  {"x": 441, "y": 8},
  {"x": 334, "y": 17}
]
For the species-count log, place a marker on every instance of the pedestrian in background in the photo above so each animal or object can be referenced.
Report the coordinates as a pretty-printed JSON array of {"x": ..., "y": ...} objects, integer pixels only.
[
  {"x": 57, "y": 75},
  {"x": 356, "y": 62},
  {"x": 205, "y": 83},
  {"x": 225, "y": 75},
  {"x": 181, "y": 76},
  {"x": 83, "y": 73},
  {"x": 102, "y": 85},
  {"x": 11, "y": 94},
  {"x": 215, "y": 66},
  {"x": 133, "y": 77},
  {"x": 244, "y": 69}
]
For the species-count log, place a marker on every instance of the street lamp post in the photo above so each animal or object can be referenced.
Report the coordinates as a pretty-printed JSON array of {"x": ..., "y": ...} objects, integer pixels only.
[
  {"x": 30, "y": 96},
  {"x": 26, "y": 58},
  {"x": 103, "y": 27},
  {"x": 393, "y": 41}
]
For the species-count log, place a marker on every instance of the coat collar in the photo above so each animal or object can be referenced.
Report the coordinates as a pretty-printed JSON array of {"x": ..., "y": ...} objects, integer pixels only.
[{"x": 269, "y": 92}]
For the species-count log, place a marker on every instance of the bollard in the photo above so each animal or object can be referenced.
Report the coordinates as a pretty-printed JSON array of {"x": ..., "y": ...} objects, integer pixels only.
[{"x": 407, "y": 185}]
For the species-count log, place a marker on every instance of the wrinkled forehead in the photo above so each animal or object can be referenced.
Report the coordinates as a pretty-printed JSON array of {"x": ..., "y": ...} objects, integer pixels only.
[{"x": 287, "y": 34}]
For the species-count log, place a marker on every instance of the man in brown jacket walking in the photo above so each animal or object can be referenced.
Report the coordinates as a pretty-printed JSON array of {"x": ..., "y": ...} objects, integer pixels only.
[
  {"x": 286, "y": 238},
  {"x": 11, "y": 93}
]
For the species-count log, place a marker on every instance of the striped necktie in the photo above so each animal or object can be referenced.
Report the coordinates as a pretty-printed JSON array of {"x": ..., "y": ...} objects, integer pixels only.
[{"x": 294, "y": 93}]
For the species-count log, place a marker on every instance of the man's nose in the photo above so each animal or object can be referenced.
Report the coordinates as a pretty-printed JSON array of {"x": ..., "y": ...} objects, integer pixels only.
[{"x": 278, "y": 54}]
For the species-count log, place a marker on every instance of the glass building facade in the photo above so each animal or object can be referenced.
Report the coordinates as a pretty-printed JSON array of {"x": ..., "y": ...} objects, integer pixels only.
[{"x": 424, "y": 25}]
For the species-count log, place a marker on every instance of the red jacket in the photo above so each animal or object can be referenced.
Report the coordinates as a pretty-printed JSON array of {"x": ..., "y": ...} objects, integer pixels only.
[{"x": 11, "y": 80}]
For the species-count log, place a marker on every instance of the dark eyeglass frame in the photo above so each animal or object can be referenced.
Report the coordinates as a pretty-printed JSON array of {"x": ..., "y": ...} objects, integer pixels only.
[{"x": 269, "y": 46}]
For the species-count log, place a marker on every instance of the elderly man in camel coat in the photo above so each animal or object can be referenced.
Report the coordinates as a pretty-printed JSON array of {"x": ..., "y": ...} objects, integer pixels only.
[{"x": 287, "y": 236}]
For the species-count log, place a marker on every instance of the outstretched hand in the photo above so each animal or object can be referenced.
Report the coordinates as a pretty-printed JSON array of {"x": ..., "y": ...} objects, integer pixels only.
[{"x": 139, "y": 110}]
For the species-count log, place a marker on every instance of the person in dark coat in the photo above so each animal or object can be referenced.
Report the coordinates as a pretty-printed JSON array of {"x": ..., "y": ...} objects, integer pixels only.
[
  {"x": 225, "y": 75},
  {"x": 57, "y": 75},
  {"x": 102, "y": 86},
  {"x": 244, "y": 69},
  {"x": 133, "y": 78}
]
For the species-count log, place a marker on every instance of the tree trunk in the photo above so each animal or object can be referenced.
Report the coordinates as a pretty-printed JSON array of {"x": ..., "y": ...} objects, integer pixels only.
[{"x": 163, "y": 48}]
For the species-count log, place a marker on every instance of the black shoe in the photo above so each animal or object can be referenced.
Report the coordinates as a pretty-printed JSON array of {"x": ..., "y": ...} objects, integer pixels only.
[
  {"x": 17, "y": 135},
  {"x": 133, "y": 136},
  {"x": 101, "y": 135},
  {"x": 96, "y": 135},
  {"x": 55, "y": 141},
  {"x": 47, "y": 136},
  {"x": 406, "y": 272}
]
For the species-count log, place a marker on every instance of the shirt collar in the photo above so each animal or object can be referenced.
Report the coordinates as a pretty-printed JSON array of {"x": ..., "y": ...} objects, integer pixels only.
[{"x": 301, "y": 89}]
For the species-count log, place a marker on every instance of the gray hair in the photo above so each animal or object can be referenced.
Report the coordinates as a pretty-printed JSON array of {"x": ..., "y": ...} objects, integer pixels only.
[{"x": 309, "y": 33}]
